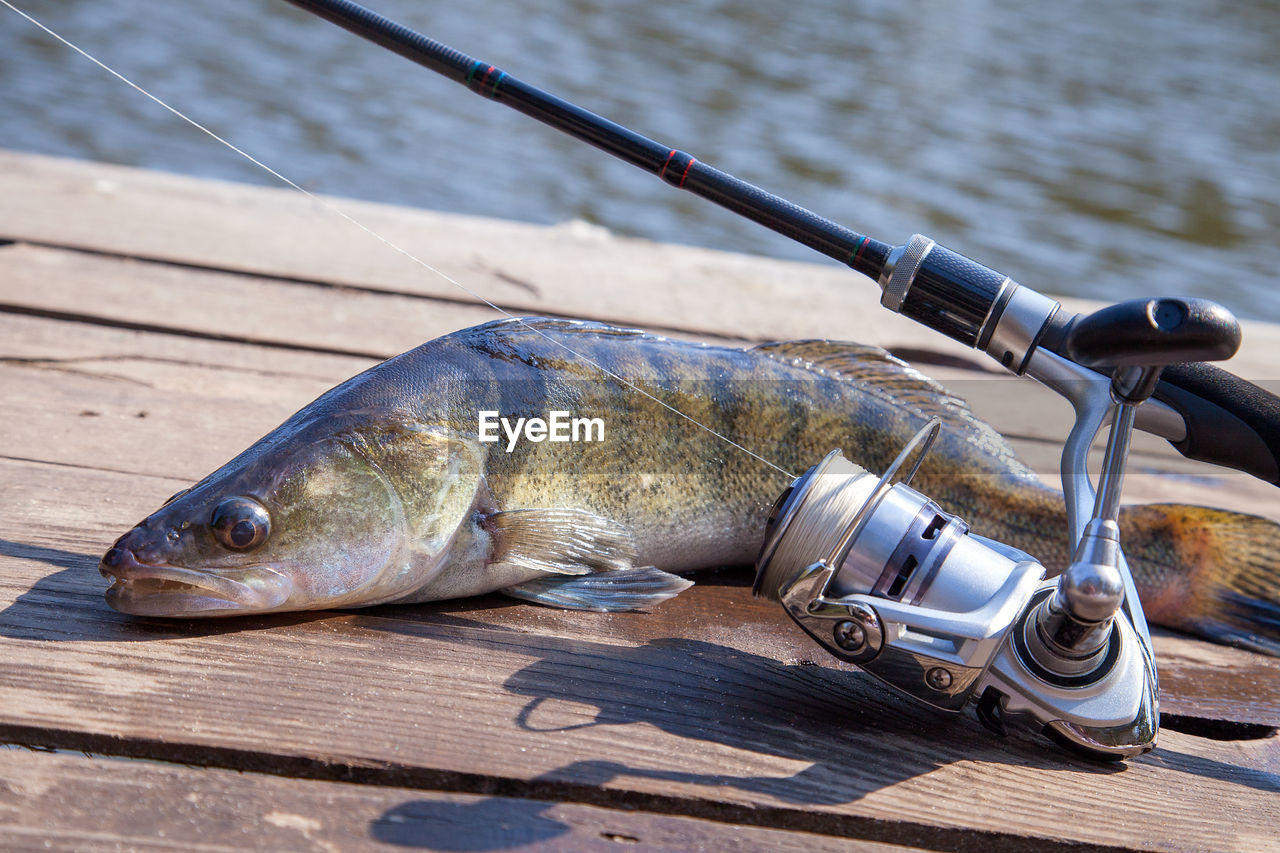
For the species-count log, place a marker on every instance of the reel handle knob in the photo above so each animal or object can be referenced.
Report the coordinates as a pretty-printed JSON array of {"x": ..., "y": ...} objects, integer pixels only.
[
  {"x": 1094, "y": 593},
  {"x": 1153, "y": 333}
]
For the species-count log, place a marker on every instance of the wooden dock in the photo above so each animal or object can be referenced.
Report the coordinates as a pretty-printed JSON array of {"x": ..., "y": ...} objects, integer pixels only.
[{"x": 153, "y": 325}]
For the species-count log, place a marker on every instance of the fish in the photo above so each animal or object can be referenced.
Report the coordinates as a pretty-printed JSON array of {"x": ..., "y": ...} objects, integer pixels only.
[{"x": 409, "y": 483}]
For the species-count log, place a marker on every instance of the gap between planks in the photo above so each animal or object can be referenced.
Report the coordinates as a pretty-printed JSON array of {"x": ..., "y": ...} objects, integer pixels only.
[
  {"x": 463, "y": 300},
  {"x": 547, "y": 790},
  {"x": 58, "y": 800}
]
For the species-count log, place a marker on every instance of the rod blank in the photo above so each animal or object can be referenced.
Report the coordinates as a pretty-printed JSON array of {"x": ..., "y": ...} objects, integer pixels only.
[{"x": 676, "y": 167}]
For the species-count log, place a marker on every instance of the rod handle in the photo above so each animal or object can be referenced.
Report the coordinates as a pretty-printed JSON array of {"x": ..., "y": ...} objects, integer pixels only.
[{"x": 1230, "y": 422}]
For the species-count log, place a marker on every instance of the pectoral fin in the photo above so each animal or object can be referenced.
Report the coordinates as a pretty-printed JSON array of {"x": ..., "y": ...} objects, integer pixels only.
[
  {"x": 587, "y": 559},
  {"x": 560, "y": 541},
  {"x": 624, "y": 589}
]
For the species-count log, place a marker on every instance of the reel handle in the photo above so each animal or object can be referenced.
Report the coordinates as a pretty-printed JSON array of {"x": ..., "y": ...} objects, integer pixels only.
[{"x": 1153, "y": 333}]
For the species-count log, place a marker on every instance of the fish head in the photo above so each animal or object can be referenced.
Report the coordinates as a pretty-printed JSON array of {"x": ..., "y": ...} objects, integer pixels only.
[{"x": 348, "y": 518}]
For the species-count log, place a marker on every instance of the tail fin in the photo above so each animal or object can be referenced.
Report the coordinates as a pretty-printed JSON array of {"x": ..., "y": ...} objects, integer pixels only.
[{"x": 1206, "y": 571}]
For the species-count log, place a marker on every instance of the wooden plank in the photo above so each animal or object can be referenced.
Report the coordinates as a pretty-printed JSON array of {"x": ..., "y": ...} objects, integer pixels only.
[
  {"x": 704, "y": 705},
  {"x": 64, "y": 801},
  {"x": 1210, "y": 682},
  {"x": 239, "y": 307},
  {"x": 570, "y": 269},
  {"x": 70, "y": 347},
  {"x": 205, "y": 401},
  {"x": 480, "y": 692},
  {"x": 170, "y": 409},
  {"x": 293, "y": 315},
  {"x": 523, "y": 267}
]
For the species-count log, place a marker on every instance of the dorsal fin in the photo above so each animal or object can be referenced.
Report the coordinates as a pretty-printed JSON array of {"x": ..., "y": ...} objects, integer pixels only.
[
  {"x": 879, "y": 369},
  {"x": 559, "y": 325},
  {"x": 872, "y": 365}
]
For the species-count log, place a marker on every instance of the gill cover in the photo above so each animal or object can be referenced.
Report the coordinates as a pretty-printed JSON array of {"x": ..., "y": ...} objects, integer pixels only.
[{"x": 347, "y": 518}]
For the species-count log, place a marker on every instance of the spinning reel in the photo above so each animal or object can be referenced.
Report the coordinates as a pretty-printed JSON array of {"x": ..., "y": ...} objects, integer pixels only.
[{"x": 880, "y": 576}]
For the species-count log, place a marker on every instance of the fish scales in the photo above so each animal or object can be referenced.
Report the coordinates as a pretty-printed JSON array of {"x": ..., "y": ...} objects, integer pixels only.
[
  {"x": 677, "y": 485},
  {"x": 381, "y": 490}
]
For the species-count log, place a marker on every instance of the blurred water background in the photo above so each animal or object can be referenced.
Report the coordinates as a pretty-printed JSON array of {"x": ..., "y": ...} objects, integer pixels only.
[{"x": 1102, "y": 149}]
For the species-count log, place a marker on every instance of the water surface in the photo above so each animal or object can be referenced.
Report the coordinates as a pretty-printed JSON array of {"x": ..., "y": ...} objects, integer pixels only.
[{"x": 1096, "y": 148}]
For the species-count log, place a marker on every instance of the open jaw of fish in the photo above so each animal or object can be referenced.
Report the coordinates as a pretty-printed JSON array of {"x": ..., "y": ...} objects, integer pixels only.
[{"x": 146, "y": 589}]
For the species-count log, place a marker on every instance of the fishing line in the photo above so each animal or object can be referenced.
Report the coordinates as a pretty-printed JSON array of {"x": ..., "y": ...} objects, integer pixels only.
[{"x": 386, "y": 241}]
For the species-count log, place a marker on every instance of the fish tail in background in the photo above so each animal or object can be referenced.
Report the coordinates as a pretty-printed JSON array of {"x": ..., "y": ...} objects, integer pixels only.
[{"x": 1207, "y": 571}]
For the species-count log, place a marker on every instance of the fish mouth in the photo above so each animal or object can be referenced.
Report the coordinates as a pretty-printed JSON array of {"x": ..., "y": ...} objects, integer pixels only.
[{"x": 156, "y": 589}]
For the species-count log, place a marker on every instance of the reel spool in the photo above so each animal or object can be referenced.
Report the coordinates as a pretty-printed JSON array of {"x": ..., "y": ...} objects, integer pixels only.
[
  {"x": 882, "y": 576},
  {"x": 887, "y": 540}
]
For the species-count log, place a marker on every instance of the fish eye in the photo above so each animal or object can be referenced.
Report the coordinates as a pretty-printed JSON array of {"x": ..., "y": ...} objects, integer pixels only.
[{"x": 240, "y": 523}]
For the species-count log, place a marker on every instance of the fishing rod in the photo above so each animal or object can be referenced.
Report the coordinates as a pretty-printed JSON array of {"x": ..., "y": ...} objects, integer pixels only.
[
  {"x": 877, "y": 573},
  {"x": 1207, "y": 414}
]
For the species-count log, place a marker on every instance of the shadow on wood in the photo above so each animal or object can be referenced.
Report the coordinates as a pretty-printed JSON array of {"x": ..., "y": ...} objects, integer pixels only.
[
  {"x": 497, "y": 823},
  {"x": 704, "y": 691}
]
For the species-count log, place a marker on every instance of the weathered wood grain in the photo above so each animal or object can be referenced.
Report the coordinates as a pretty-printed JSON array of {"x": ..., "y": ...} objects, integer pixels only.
[
  {"x": 238, "y": 307},
  {"x": 64, "y": 801},
  {"x": 571, "y": 269},
  {"x": 282, "y": 317},
  {"x": 709, "y": 706},
  {"x": 1212, "y": 682},
  {"x": 705, "y": 705}
]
